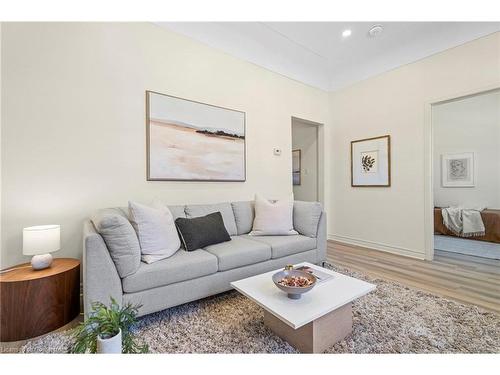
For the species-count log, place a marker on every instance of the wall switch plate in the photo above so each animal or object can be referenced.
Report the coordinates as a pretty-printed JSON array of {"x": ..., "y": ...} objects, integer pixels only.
[{"x": 277, "y": 151}]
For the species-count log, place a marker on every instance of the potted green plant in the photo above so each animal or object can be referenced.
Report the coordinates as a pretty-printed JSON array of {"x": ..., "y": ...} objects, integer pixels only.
[{"x": 107, "y": 330}]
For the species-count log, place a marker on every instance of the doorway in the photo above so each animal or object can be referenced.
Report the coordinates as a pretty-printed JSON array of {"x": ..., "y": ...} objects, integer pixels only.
[
  {"x": 306, "y": 160},
  {"x": 464, "y": 177}
]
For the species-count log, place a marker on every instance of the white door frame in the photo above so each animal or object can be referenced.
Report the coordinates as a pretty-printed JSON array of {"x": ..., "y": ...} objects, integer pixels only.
[
  {"x": 320, "y": 183},
  {"x": 428, "y": 162}
]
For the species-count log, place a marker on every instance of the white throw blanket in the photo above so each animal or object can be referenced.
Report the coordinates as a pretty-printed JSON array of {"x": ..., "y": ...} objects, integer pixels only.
[{"x": 463, "y": 222}]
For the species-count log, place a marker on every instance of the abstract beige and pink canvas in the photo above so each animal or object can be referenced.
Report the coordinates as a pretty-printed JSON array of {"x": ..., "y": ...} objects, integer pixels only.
[{"x": 194, "y": 141}]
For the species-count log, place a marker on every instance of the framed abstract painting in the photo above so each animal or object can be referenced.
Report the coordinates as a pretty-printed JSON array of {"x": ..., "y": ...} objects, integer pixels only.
[
  {"x": 193, "y": 141},
  {"x": 296, "y": 167},
  {"x": 371, "y": 162},
  {"x": 457, "y": 170}
]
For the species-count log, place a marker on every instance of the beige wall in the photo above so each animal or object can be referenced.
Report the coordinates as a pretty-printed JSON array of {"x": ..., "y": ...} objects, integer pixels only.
[
  {"x": 471, "y": 124},
  {"x": 73, "y": 133},
  {"x": 74, "y": 130},
  {"x": 305, "y": 139},
  {"x": 393, "y": 219}
]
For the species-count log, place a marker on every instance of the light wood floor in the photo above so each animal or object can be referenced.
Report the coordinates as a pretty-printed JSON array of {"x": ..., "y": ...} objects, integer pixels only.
[{"x": 463, "y": 278}]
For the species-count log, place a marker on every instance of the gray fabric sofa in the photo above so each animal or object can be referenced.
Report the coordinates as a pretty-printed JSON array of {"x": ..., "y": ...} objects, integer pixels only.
[{"x": 188, "y": 276}]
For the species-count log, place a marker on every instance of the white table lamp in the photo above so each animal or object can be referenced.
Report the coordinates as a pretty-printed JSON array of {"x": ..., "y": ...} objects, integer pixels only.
[{"x": 40, "y": 241}]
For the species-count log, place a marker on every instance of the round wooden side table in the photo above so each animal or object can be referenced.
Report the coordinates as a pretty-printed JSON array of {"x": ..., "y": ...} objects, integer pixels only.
[{"x": 36, "y": 302}]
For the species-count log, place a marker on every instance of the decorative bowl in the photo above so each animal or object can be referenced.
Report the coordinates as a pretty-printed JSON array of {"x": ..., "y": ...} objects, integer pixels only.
[{"x": 294, "y": 292}]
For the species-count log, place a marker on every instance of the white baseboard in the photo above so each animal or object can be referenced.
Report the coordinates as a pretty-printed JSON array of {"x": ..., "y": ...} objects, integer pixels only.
[{"x": 377, "y": 246}]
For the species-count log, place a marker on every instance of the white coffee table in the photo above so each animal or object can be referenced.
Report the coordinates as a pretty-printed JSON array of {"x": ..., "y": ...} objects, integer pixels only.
[{"x": 314, "y": 322}]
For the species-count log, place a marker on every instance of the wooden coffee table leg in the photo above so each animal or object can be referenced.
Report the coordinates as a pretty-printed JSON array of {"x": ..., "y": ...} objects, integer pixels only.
[{"x": 317, "y": 336}]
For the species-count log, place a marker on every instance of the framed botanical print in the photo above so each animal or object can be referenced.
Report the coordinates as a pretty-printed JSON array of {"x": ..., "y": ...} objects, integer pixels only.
[
  {"x": 371, "y": 162},
  {"x": 457, "y": 170},
  {"x": 192, "y": 141},
  {"x": 296, "y": 167}
]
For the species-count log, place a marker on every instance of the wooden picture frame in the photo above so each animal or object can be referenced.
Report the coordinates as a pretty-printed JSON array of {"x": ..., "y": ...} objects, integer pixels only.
[
  {"x": 371, "y": 162},
  {"x": 296, "y": 167},
  {"x": 233, "y": 132}
]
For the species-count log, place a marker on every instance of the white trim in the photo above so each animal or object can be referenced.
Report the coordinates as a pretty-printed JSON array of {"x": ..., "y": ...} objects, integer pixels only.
[
  {"x": 378, "y": 246},
  {"x": 428, "y": 184}
]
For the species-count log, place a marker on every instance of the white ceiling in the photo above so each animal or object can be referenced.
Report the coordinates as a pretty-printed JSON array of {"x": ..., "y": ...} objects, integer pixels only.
[{"x": 315, "y": 53}]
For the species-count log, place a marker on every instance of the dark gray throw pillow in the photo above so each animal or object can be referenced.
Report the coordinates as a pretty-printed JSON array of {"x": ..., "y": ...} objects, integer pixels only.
[{"x": 202, "y": 231}]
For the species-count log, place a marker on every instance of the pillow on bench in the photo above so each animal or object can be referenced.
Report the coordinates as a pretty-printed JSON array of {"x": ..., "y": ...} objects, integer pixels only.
[{"x": 202, "y": 231}]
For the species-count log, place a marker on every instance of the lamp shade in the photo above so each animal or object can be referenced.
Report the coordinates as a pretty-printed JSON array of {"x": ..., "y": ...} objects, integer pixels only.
[{"x": 41, "y": 239}]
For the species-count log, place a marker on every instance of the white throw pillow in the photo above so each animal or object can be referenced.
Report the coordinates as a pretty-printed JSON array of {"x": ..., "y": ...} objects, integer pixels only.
[
  {"x": 156, "y": 231},
  {"x": 273, "y": 218}
]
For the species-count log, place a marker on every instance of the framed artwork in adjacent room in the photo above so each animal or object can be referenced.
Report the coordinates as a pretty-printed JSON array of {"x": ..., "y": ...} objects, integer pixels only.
[
  {"x": 371, "y": 162},
  {"x": 457, "y": 170},
  {"x": 193, "y": 141},
  {"x": 296, "y": 167}
]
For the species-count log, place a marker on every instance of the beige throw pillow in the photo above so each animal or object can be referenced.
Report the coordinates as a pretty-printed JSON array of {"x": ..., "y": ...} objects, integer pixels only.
[
  {"x": 273, "y": 218},
  {"x": 156, "y": 231}
]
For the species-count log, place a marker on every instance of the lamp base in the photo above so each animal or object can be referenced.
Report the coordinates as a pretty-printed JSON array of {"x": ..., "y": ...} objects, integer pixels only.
[{"x": 40, "y": 262}]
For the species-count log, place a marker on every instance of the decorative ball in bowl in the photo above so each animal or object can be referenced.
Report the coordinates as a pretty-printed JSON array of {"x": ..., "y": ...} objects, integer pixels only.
[{"x": 294, "y": 282}]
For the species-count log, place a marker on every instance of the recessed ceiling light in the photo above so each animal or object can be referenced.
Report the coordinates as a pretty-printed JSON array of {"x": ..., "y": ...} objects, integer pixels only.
[
  {"x": 346, "y": 33},
  {"x": 376, "y": 30}
]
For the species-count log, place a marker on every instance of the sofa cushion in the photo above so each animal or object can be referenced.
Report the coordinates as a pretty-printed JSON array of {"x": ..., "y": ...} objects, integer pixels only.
[
  {"x": 306, "y": 217},
  {"x": 181, "y": 266},
  {"x": 239, "y": 252},
  {"x": 202, "y": 231},
  {"x": 196, "y": 210},
  {"x": 120, "y": 238},
  {"x": 122, "y": 211},
  {"x": 282, "y": 246},
  {"x": 273, "y": 218},
  {"x": 155, "y": 229},
  {"x": 243, "y": 216},
  {"x": 177, "y": 211}
]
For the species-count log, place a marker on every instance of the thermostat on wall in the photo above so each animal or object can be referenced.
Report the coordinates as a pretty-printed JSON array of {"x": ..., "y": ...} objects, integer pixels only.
[{"x": 277, "y": 151}]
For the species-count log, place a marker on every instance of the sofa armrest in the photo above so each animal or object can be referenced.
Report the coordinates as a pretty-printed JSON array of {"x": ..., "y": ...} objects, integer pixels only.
[
  {"x": 321, "y": 238},
  {"x": 100, "y": 277}
]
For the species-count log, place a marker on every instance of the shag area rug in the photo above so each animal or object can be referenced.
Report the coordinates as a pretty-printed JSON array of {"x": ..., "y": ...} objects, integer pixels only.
[{"x": 392, "y": 319}]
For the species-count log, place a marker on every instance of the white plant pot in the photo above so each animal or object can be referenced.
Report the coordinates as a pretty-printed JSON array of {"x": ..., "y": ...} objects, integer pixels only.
[{"x": 111, "y": 345}]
